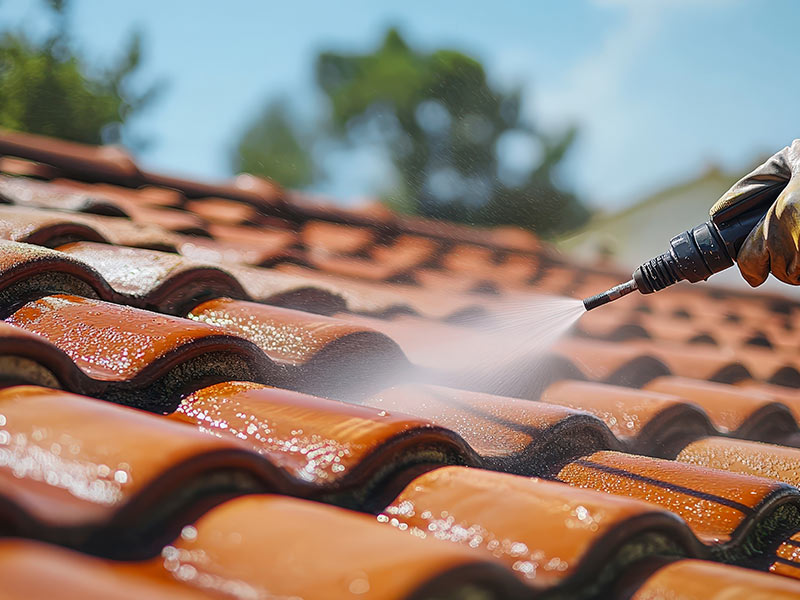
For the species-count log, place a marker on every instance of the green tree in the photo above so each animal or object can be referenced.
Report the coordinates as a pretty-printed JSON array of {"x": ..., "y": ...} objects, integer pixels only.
[
  {"x": 46, "y": 87},
  {"x": 454, "y": 140},
  {"x": 272, "y": 146}
]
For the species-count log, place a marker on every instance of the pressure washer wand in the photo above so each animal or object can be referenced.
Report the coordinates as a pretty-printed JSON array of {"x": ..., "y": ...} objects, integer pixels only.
[{"x": 693, "y": 255}]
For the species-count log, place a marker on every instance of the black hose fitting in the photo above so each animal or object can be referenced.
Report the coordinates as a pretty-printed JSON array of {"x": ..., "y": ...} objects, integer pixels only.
[{"x": 694, "y": 255}]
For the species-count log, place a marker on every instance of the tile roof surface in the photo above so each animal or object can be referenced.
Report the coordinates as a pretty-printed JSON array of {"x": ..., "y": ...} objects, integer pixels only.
[{"x": 237, "y": 391}]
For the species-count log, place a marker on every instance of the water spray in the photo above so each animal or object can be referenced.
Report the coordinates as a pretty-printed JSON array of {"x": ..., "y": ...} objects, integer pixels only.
[{"x": 696, "y": 254}]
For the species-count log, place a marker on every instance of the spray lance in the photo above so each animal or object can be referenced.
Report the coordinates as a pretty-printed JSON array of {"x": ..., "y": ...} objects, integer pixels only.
[{"x": 696, "y": 254}]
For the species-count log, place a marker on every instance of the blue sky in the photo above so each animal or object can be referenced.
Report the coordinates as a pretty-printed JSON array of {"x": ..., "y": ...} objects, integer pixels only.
[{"x": 659, "y": 88}]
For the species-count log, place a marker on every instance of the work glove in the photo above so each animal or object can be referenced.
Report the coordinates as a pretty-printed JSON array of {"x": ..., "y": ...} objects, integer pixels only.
[{"x": 774, "y": 244}]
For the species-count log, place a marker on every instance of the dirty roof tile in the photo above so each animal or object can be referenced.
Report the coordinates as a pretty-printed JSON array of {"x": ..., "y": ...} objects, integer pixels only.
[
  {"x": 29, "y": 358},
  {"x": 161, "y": 281},
  {"x": 733, "y": 410},
  {"x": 739, "y": 516},
  {"x": 510, "y": 434},
  {"x": 27, "y": 192},
  {"x": 28, "y": 272},
  {"x": 740, "y": 456},
  {"x": 142, "y": 358},
  {"x": 328, "y": 356},
  {"x": 646, "y": 422},
  {"x": 621, "y": 364},
  {"x": 44, "y": 228},
  {"x": 580, "y": 538},
  {"x": 83, "y": 472},
  {"x": 54, "y": 228},
  {"x": 340, "y": 453}
]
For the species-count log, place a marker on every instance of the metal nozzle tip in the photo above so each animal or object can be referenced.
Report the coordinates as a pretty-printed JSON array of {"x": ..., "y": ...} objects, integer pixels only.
[{"x": 614, "y": 293}]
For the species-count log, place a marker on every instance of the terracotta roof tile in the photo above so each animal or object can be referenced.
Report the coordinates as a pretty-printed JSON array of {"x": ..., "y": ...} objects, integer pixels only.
[
  {"x": 513, "y": 435},
  {"x": 648, "y": 423},
  {"x": 348, "y": 455},
  {"x": 27, "y": 192},
  {"x": 621, "y": 364},
  {"x": 739, "y": 456},
  {"x": 35, "y": 571},
  {"x": 81, "y": 472},
  {"x": 222, "y": 210},
  {"x": 332, "y": 238},
  {"x": 28, "y": 272},
  {"x": 739, "y": 516},
  {"x": 142, "y": 358},
  {"x": 161, "y": 281},
  {"x": 29, "y": 358},
  {"x": 328, "y": 356},
  {"x": 559, "y": 551},
  {"x": 54, "y": 228},
  {"x": 390, "y": 299},
  {"x": 701, "y": 580},
  {"x": 733, "y": 410},
  {"x": 319, "y": 552},
  {"x": 27, "y": 168}
]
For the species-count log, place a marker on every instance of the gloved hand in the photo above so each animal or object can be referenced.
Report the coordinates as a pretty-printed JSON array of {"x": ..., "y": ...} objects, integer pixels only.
[{"x": 774, "y": 245}]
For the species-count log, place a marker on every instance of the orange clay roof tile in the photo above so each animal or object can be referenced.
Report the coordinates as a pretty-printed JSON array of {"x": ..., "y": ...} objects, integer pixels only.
[
  {"x": 141, "y": 358},
  {"x": 315, "y": 346},
  {"x": 560, "y": 549},
  {"x": 702, "y": 580},
  {"x": 510, "y": 434},
  {"x": 340, "y": 453},
  {"x": 319, "y": 552},
  {"x": 734, "y": 411},
  {"x": 36, "y": 571},
  {"x": 163, "y": 281},
  {"x": 725, "y": 510},
  {"x": 82, "y": 472},
  {"x": 646, "y": 422}
]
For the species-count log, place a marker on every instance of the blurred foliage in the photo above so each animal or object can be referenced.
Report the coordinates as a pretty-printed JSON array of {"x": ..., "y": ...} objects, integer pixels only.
[
  {"x": 46, "y": 87},
  {"x": 272, "y": 146},
  {"x": 457, "y": 143}
]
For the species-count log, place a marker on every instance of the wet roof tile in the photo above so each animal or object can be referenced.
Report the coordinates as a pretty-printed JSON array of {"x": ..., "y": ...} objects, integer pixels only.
[
  {"x": 622, "y": 364},
  {"x": 348, "y": 455},
  {"x": 733, "y": 410},
  {"x": 83, "y": 473},
  {"x": 739, "y": 516},
  {"x": 510, "y": 434},
  {"x": 29, "y": 358},
  {"x": 28, "y": 272},
  {"x": 649, "y": 423},
  {"x": 161, "y": 281},
  {"x": 560, "y": 550},
  {"x": 740, "y": 456},
  {"x": 328, "y": 356},
  {"x": 388, "y": 299},
  {"x": 54, "y": 228},
  {"x": 702, "y": 580},
  {"x": 26, "y": 192},
  {"x": 36, "y": 571},
  {"x": 142, "y": 358},
  {"x": 321, "y": 552}
]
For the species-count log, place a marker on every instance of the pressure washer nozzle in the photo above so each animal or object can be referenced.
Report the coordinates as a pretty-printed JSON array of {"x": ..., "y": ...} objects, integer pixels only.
[{"x": 618, "y": 291}]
